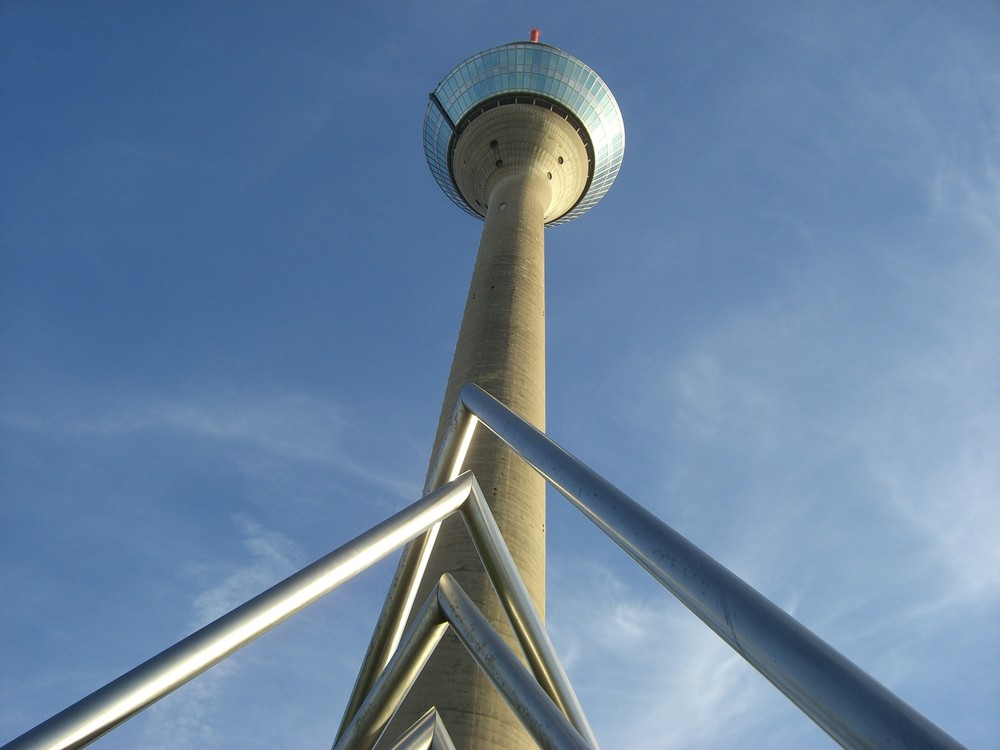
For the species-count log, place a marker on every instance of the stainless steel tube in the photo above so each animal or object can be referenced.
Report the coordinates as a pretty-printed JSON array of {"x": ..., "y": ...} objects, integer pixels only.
[
  {"x": 104, "y": 709},
  {"x": 392, "y": 685},
  {"x": 449, "y": 605},
  {"x": 524, "y": 619},
  {"x": 401, "y": 597},
  {"x": 429, "y": 733},
  {"x": 852, "y": 707},
  {"x": 543, "y": 720}
]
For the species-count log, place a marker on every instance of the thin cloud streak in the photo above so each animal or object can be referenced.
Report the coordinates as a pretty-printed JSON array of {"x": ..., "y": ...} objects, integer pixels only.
[
  {"x": 688, "y": 687},
  {"x": 273, "y": 557},
  {"x": 187, "y": 719},
  {"x": 284, "y": 427}
]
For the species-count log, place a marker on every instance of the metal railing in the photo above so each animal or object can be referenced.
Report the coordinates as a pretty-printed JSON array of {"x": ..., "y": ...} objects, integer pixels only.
[
  {"x": 846, "y": 702},
  {"x": 447, "y": 605},
  {"x": 552, "y": 712},
  {"x": 853, "y": 708},
  {"x": 119, "y": 700}
]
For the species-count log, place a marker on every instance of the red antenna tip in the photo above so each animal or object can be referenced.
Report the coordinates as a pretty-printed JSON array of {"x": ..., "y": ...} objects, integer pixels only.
[{"x": 533, "y": 36}]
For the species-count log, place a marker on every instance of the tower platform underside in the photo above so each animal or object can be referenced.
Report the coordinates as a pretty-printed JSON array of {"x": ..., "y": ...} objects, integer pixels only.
[{"x": 516, "y": 140}]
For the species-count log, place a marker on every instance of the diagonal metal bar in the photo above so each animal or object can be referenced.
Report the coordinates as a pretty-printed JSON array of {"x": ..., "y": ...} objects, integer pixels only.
[
  {"x": 543, "y": 720},
  {"x": 428, "y": 733},
  {"x": 524, "y": 618},
  {"x": 448, "y": 605},
  {"x": 106, "y": 708},
  {"x": 509, "y": 586},
  {"x": 90, "y": 718},
  {"x": 507, "y": 582},
  {"x": 402, "y": 593},
  {"x": 392, "y": 685},
  {"x": 847, "y": 703}
]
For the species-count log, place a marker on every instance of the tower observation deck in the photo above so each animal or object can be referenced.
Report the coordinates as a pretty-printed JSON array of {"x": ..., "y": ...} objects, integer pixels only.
[
  {"x": 533, "y": 74},
  {"x": 523, "y": 136}
]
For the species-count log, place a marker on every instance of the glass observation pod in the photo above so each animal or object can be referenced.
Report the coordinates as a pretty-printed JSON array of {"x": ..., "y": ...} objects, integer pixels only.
[{"x": 527, "y": 71}]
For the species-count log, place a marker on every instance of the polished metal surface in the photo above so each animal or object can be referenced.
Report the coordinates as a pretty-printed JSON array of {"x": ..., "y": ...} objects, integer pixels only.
[
  {"x": 104, "y": 709},
  {"x": 445, "y": 464},
  {"x": 392, "y": 621},
  {"x": 527, "y": 625},
  {"x": 100, "y": 712},
  {"x": 852, "y": 707},
  {"x": 415, "y": 648},
  {"x": 447, "y": 606},
  {"x": 848, "y": 704},
  {"x": 510, "y": 588},
  {"x": 547, "y": 725},
  {"x": 429, "y": 733}
]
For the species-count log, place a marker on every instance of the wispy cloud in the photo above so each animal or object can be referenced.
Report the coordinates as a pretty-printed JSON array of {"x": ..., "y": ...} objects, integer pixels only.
[
  {"x": 631, "y": 648},
  {"x": 273, "y": 556},
  {"x": 185, "y": 719},
  {"x": 836, "y": 442},
  {"x": 266, "y": 429}
]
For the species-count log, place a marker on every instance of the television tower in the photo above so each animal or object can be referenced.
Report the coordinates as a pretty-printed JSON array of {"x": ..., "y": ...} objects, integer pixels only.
[{"x": 522, "y": 136}]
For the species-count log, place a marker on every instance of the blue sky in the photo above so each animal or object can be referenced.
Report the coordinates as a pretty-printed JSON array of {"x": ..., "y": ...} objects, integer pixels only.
[{"x": 230, "y": 290}]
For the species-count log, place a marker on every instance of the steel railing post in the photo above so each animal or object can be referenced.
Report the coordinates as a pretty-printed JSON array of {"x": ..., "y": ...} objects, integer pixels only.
[{"x": 851, "y": 706}]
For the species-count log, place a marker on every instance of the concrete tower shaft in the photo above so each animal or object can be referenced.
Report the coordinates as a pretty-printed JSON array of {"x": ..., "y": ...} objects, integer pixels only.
[
  {"x": 501, "y": 346},
  {"x": 522, "y": 165}
]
